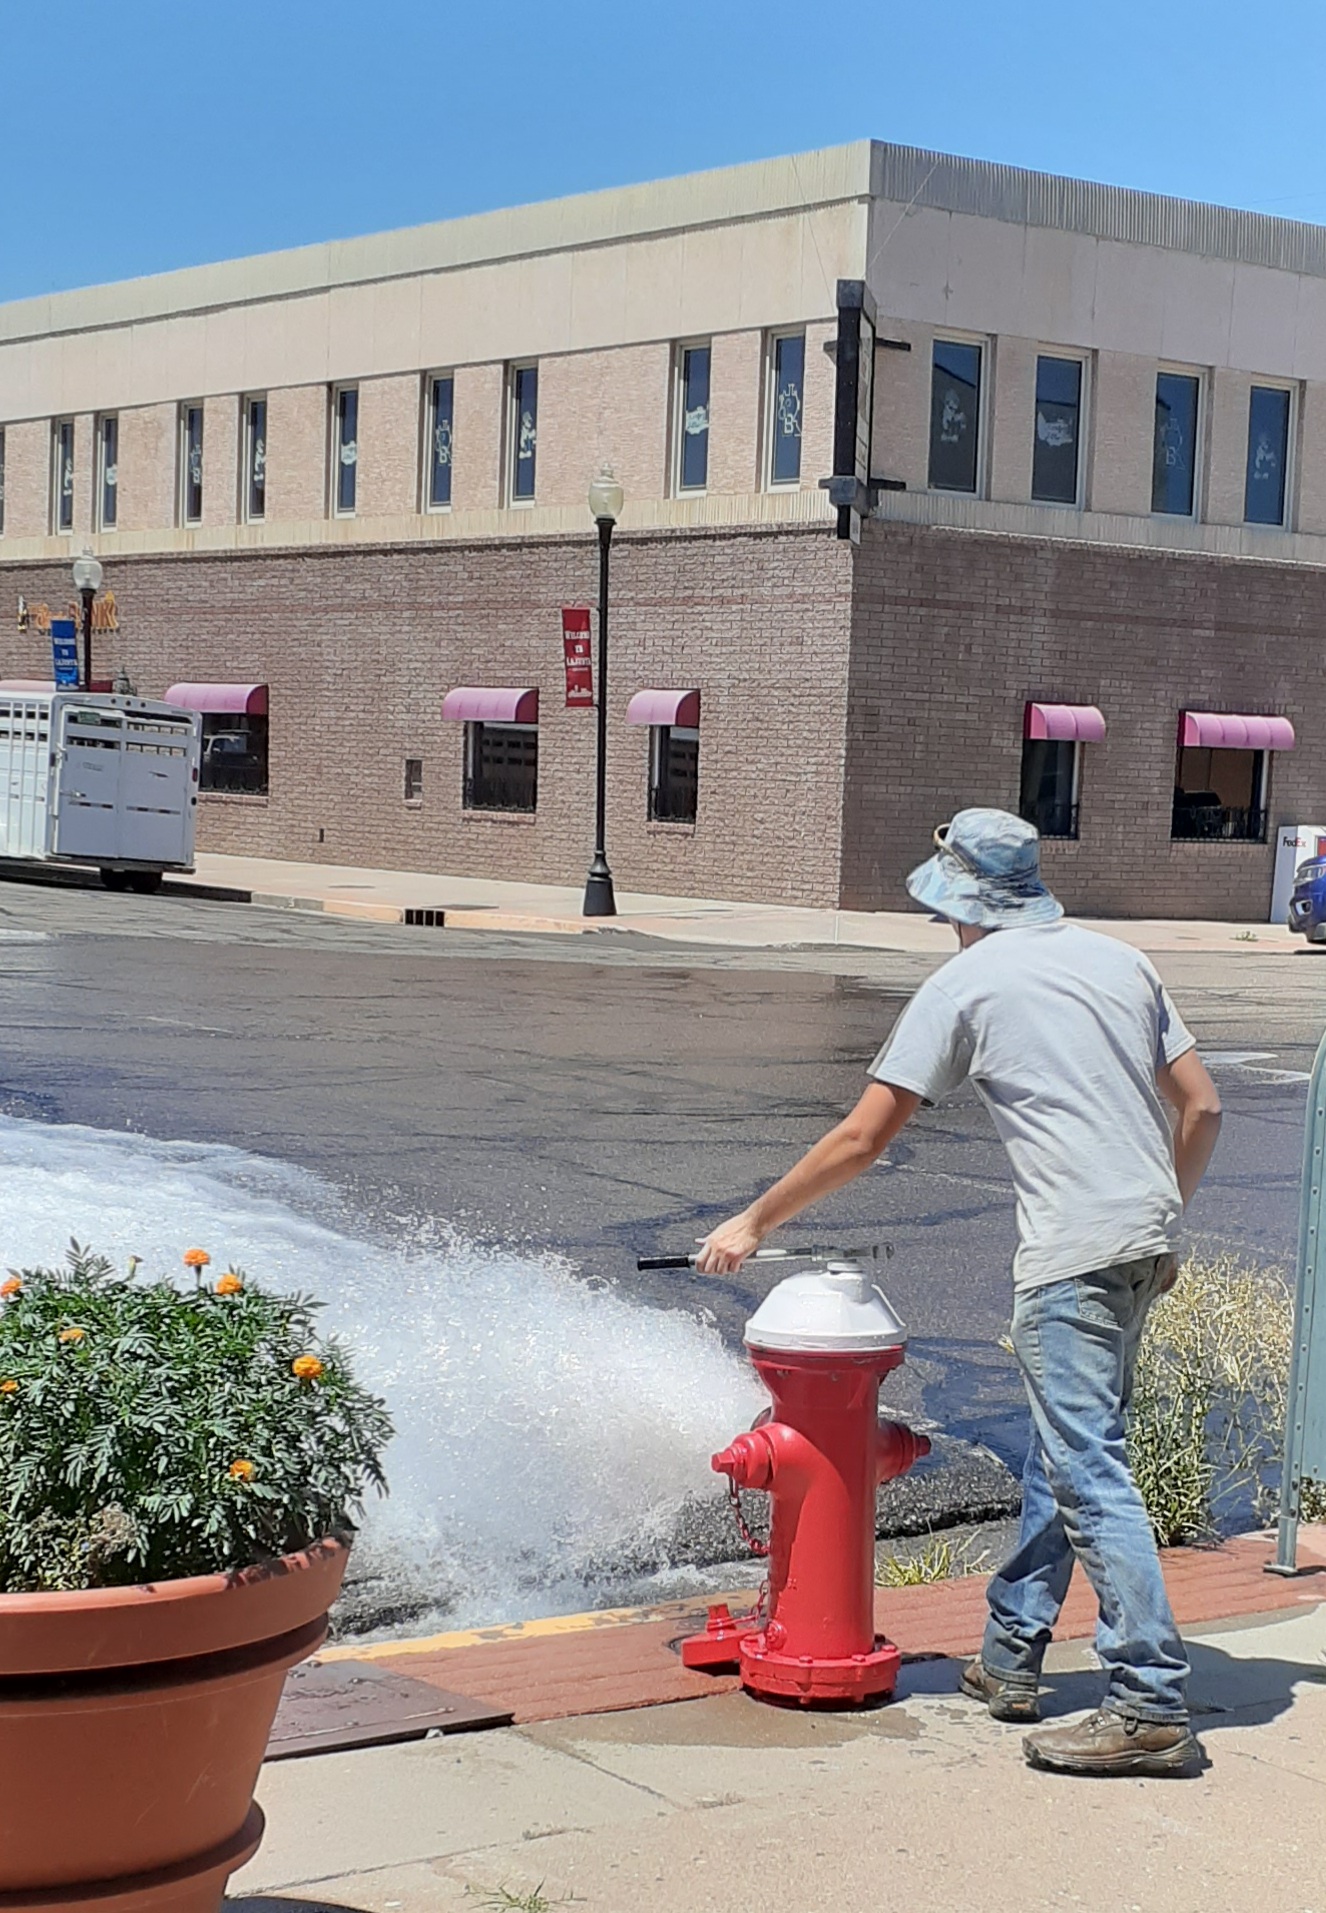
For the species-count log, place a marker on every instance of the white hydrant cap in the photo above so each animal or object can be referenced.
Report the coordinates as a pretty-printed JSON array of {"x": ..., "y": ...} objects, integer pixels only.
[{"x": 826, "y": 1311}]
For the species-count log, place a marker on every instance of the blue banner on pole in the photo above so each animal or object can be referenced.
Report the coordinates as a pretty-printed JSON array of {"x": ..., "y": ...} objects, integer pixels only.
[{"x": 64, "y": 651}]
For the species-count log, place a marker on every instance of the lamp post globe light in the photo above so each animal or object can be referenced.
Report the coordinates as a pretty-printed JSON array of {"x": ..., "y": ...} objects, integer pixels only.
[
  {"x": 87, "y": 582},
  {"x": 605, "y": 505}
]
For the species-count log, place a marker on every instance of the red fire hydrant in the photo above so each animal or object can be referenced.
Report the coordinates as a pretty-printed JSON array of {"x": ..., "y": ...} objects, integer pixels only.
[{"x": 821, "y": 1343}]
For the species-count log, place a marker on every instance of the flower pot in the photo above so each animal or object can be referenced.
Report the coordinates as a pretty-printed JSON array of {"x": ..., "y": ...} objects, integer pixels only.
[{"x": 133, "y": 1722}]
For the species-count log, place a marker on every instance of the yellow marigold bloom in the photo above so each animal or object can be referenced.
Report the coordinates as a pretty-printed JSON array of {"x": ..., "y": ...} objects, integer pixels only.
[
  {"x": 72, "y": 1334},
  {"x": 229, "y": 1284},
  {"x": 241, "y": 1471},
  {"x": 196, "y": 1258},
  {"x": 12, "y": 1287},
  {"x": 307, "y": 1367},
  {"x": 8, "y": 1388}
]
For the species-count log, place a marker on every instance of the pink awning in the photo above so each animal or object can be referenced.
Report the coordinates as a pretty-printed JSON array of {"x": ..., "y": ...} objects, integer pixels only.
[
  {"x": 1067, "y": 723},
  {"x": 485, "y": 704},
  {"x": 665, "y": 707},
  {"x": 243, "y": 700},
  {"x": 1223, "y": 731}
]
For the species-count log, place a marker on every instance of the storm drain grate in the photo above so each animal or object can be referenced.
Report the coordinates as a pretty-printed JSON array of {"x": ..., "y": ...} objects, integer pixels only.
[
  {"x": 334, "y": 1704},
  {"x": 428, "y": 919}
]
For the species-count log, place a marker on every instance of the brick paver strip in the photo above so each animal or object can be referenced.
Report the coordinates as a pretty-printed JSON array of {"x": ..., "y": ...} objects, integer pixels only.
[{"x": 608, "y": 1669}]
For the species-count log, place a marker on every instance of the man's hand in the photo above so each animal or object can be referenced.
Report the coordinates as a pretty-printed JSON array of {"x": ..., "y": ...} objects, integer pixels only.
[
  {"x": 1168, "y": 1273},
  {"x": 726, "y": 1247}
]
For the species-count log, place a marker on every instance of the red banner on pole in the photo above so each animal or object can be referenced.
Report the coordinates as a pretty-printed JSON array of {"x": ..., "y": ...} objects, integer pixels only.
[{"x": 579, "y": 666}]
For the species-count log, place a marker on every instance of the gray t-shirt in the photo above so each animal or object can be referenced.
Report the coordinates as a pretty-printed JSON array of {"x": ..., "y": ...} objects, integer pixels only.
[{"x": 1061, "y": 1032}]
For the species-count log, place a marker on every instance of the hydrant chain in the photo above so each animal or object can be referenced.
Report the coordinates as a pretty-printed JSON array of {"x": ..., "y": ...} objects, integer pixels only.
[{"x": 753, "y": 1541}]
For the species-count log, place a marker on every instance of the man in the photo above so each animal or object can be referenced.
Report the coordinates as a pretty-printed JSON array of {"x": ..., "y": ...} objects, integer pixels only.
[{"x": 1071, "y": 1042}]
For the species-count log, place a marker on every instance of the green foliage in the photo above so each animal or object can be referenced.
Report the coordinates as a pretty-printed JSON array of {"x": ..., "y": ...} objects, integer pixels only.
[
  {"x": 939, "y": 1560},
  {"x": 148, "y": 1432},
  {"x": 1208, "y": 1412}
]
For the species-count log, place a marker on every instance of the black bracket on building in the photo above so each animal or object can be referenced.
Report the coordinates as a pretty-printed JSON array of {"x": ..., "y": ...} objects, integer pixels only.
[
  {"x": 894, "y": 345},
  {"x": 849, "y": 488}
]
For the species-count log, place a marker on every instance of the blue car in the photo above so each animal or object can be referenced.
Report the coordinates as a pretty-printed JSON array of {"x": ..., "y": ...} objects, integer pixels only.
[{"x": 1307, "y": 904}]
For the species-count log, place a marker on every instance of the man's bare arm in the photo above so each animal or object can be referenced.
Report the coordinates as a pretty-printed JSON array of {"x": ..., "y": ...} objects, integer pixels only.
[
  {"x": 851, "y": 1146},
  {"x": 1186, "y": 1085}
]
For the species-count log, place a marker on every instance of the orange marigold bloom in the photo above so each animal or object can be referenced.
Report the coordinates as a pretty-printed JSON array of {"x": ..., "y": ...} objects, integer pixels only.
[
  {"x": 72, "y": 1334},
  {"x": 241, "y": 1471},
  {"x": 12, "y": 1287},
  {"x": 229, "y": 1284},
  {"x": 307, "y": 1367},
  {"x": 196, "y": 1258},
  {"x": 8, "y": 1388}
]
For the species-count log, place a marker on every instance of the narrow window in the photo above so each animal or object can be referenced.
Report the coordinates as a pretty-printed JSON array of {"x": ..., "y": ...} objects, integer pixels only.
[
  {"x": 345, "y": 449},
  {"x": 414, "y": 779},
  {"x": 955, "y": 416},
  {"x": 1054, "y": 458},
  {"x": 501, "y": 766},
  {"x": 1174, "y": 464},
  {"x": 62, "y": 486},
  {"x": 692, "y": 423},
  {"x": 1220, "y": 794},
  {"x": 1050, "y": 771},
  {"x": 674, "y": 772},
  {"x": 2, "y": 480},
  {"x": 108, "y": 475},
  {"x": 254, "y": 481},
  {"x": 1268, "y": 456},
  {"x": 234, "y": 754},
  {"x": 524, "y": 429},
  {"x": 786, "y": 391},
  {"x": 441, "y": 404},
  {"x": 191, "y": 464}
]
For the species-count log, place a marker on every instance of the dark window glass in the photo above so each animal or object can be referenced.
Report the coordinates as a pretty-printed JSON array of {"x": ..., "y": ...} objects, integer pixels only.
[
  {"x": 234, "y": 754},
  {"x": 674, "y": 775},
  {"x": 439, "y": 442},
  {"x": 64, "y": 475},
  {"x": 414, "y": 779},
  {"x": 501, "y": 766},
  {"x": 191, "y": 509},
  {"x": 347, "y": 447},
  {"x": 1220, "y": 794},
  {"x": 955, "y": 406},
  {"x": 693, "y": 425},
  {"x": 1268, "y": 456},
  {"x": 109, "y": 457},
  {"x": 789, "y": 371},
  {"x": 1058, "y": 418},
  {"x": 524, "y": 429},
  {"x": 256, "y": 454},
  {"x": 1174, "y": 465},
  {"x": 1049, "y": 785},
  {"x": 2, "y": 481}
]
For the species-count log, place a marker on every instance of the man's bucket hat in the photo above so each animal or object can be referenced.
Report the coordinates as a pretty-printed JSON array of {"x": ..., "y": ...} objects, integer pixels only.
[{"x": 986, "y": 871}]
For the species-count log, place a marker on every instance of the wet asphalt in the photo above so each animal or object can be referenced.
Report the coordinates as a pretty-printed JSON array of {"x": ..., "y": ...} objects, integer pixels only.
[{"x": 604, "y": 1097}]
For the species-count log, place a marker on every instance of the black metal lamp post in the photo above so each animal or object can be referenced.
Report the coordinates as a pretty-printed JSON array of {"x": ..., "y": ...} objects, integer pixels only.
[
  {"x": 605, "y": 504},
  {"x": 87, "y": 582}
]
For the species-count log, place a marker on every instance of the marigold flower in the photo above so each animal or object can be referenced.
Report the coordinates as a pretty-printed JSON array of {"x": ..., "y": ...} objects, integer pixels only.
[
  {"x": 72, "y": 1334},
  {"x": 196, "y": 1258},
  {"x": 241, "y": 1471},
  {"x": 229, "y": 1284},
  {"x": 307, "y": 1367},
  {"x": 8, "y": 1388},
  {"x": 13, "y": 1286}
]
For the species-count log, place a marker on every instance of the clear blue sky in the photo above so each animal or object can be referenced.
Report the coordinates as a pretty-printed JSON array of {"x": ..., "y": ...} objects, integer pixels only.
[{"x": 139, "y": 135}]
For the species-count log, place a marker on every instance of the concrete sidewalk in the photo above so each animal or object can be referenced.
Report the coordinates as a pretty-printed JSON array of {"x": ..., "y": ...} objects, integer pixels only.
[
  {"x": 386, "y": 896},
  {"x": 721, "y": 1804}
]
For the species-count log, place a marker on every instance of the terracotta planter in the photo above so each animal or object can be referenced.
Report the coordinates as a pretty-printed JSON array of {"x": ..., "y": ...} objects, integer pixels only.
[{"x": 133, "y": 1722}]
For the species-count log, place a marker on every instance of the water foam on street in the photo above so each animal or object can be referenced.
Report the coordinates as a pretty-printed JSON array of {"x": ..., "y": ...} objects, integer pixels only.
[{"x": 548, "y": 1431}]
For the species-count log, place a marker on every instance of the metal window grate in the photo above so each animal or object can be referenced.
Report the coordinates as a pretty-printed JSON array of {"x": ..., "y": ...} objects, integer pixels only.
[{"x": 1217, "y": 823}]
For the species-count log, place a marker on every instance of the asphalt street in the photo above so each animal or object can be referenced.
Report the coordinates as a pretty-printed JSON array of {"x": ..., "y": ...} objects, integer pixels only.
[{"x": 603, "y": 1096}]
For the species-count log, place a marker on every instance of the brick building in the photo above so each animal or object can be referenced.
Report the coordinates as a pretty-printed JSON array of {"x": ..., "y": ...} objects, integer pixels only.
[{"x": 339, "y": 496}]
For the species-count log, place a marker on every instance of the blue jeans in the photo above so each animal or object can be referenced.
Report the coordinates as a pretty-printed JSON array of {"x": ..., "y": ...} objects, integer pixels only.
[{"x": 1076, "y": 1343}]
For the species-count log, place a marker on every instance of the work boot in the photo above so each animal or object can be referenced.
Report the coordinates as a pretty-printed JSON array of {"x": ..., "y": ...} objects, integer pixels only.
[
  {"x": 1110, "y": 1743},
  {"x": 1006, "y": 1699}
]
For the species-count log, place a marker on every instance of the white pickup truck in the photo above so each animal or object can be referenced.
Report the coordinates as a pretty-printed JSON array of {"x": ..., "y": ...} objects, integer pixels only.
[{"x": 99, "y": 779}]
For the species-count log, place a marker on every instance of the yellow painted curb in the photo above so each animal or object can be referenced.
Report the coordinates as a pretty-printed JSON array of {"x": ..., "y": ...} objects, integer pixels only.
[{"x": 546, "y": 1629}]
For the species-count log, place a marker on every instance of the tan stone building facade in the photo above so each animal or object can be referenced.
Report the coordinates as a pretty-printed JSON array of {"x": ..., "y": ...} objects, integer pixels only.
[{"x": 329, "y": 488}]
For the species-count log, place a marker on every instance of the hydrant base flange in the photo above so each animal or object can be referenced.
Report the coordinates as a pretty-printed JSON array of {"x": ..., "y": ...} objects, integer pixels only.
[{"x": 854, "y": 1678}]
